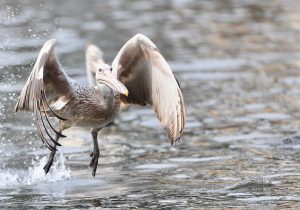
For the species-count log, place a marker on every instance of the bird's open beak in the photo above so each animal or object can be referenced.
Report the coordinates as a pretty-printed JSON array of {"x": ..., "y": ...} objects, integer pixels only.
[{"x": 109, "y": 79}]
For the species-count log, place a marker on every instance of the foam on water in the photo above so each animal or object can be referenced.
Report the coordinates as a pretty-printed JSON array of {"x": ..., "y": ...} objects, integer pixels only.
[{"x": 36, "y": 174}]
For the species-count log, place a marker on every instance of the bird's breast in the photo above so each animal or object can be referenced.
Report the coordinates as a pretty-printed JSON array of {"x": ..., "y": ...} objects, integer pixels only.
[{"x": 92, "y": 108}]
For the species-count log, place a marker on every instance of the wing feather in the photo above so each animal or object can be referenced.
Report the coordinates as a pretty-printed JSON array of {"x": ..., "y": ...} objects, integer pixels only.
[
  {"x": 93, "y": 58},
  {"x": 47, "y": 82},
  {"x": 150, "y": 80}
]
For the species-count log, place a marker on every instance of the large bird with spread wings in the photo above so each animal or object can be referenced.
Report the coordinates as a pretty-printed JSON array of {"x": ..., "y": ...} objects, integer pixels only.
[{"x": 138, "y": 75}]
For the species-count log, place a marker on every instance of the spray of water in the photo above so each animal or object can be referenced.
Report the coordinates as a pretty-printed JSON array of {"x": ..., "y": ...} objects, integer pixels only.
[{"x": 36, "y": 174}]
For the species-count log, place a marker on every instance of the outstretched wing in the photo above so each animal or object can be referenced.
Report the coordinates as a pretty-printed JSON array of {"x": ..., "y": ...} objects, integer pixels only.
[
  {"x": 149, "y": 80},
  {"x": 93, "y": 58},
  {"x": 48, "y": 87}
]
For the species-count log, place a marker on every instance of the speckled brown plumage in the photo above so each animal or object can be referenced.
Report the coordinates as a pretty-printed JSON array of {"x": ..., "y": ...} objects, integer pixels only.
[
  {"x": 90, "y": 107},
  {"x": 138, "y": 68}
]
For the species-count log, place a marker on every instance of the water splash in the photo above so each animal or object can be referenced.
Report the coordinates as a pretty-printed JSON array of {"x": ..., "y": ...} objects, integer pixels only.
[
  {"x": 36, "y": 174},
  {"x": 58, "y": 171},
  {"x": 8, "y": 179}
]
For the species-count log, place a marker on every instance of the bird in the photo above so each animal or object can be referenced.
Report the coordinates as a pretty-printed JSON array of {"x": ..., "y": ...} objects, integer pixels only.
[{"x": 139, "y": 74}]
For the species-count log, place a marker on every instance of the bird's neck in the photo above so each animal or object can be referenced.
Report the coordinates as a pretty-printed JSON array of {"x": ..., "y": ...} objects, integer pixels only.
[
  {"x": 106, "y": 91},
  {"x": 109, "y": 98}
]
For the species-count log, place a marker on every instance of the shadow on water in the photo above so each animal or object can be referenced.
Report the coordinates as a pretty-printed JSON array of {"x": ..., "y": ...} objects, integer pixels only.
[{"x": 238, "y": 64}]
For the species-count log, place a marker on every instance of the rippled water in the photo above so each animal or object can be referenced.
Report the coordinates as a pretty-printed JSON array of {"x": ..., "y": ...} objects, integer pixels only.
[{"x": 238, "y": 64}]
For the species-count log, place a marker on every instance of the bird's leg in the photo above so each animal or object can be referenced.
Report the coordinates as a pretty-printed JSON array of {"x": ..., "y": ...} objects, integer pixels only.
[
  {"x": 96, "y": 152},
  {"x": 51, "y": 156}
]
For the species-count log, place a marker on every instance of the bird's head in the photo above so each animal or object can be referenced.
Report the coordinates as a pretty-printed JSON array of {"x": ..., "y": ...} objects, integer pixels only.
[{"x": 104, "y": 75}]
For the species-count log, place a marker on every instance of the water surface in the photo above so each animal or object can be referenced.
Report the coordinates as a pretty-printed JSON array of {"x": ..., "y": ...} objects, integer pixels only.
[{"x": 238, "y": 64}]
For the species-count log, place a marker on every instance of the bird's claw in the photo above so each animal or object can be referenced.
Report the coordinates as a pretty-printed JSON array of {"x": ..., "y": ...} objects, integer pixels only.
[{"x": 94, "y": 161}]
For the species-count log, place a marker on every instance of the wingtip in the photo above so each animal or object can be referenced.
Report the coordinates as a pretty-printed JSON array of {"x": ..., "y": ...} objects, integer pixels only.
[
  {"x": 47, "y": 47},
  {"x": 50, "y": 42},
  {"x": 94, "y": 48},
  {"x": 139, "y": 35},
  {"x": 16, "y": 108},
  {"x": 93, "y": 53},
  {"x": 173, "y": 141},
  {"x": 144, "y": 39}
]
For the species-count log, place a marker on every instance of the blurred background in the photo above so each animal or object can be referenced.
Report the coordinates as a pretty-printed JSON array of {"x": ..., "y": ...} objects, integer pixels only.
[{"x": 238, "y": 66}]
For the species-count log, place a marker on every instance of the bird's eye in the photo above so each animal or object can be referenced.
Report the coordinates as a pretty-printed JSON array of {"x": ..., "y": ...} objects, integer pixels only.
[
  {"x": 110, "y": 68},
  {"x": 100, "y": 70}
]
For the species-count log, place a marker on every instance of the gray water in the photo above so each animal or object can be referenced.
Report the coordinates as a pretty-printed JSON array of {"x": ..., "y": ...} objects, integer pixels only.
[{"x": 238, "y": 64}]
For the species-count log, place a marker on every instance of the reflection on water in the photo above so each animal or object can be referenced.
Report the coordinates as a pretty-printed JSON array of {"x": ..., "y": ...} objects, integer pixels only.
[{"x": 238, "y": 64}]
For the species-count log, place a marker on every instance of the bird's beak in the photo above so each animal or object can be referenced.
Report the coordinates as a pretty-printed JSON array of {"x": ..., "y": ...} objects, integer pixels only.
[{"x": 111, "y": 81}]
